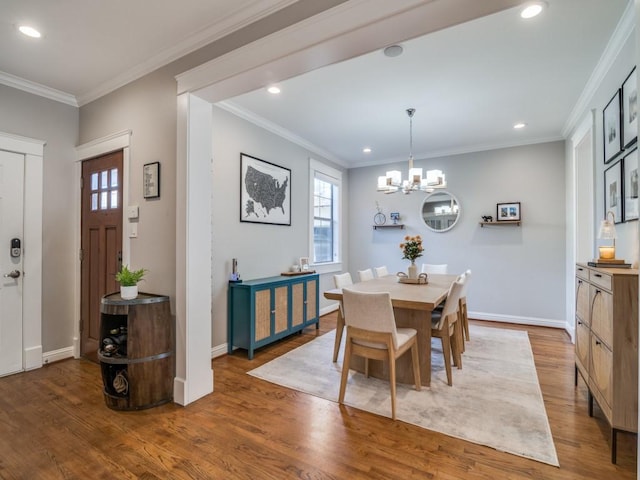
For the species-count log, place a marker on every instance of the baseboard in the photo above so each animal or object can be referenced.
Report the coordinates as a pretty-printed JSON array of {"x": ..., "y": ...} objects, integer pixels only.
[
  {"x": 219, "y": 351},
  {"x": 57, "y": 355},
  {"x": 534, "y": 321},
  {"x": 329, "y": 309},
  {"x": 33, "y": 357}
]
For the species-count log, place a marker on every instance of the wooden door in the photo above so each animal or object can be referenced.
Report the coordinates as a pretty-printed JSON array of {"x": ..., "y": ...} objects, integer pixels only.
[{"x": 101, "y": 252}]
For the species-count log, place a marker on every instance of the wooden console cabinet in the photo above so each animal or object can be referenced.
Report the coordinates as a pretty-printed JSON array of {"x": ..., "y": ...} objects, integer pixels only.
[
  {"x": 606, "y": 354},
  {"x": 136, "y": 351},
  {"x": 264, "y": 310}
]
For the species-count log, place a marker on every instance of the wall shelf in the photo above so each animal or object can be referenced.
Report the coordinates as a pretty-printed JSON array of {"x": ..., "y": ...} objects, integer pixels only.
[
  {"x": 391, "y": 225},
  {"x": 515, "y": 223}
]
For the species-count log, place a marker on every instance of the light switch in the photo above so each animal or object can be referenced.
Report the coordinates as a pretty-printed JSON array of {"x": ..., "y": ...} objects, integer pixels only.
[
  {"x": 132, "y": 212},
  {"x": 133, "y": 230}
]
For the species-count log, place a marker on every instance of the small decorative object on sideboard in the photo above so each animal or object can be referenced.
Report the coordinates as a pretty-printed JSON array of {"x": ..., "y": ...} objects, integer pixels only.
[
  {"x": 129, "y": 281},
  {"x": 607, "y": 253},
  {"x": 235, "y": 275}
]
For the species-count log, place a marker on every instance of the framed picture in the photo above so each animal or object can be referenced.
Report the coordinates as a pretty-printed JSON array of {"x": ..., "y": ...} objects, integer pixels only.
[
  {"x": 151, "y": 180},
  {"x": 630, "y": 186},
  {"x": 265, "y": 192},
  {"x": 629, "y": 110},
  {"x": 611, "y": 126},
  {"x": 508, "y": 212},
  {"x": 395, "y": 216},
  {"x": 613, "y": 190},
  {"x": 304, "y": 264}
]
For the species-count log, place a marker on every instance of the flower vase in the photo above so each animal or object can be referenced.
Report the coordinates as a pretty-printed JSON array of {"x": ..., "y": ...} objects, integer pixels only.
[{"x": 413, "y": 271}]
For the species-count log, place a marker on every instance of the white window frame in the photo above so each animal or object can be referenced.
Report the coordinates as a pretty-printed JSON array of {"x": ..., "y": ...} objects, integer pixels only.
[{"x": 335, "y": 176}]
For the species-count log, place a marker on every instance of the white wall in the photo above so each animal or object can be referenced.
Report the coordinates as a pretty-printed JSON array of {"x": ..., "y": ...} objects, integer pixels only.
[
  {"x": 518, "y": 271},
  {"x": 262, "y": 250}
]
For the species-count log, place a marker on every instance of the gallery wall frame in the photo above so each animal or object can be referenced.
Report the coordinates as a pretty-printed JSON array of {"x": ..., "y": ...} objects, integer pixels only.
[
  {"x": 506, "y": 212},
  {"x": 151, "y": 180},
  {"x": 630, "y": 186},
  {"x": 612, "y": 138},
  {"x": 629, "y": 109},
  {"x": 613, "y": 191},
  {"x": 265, "y": 192}
]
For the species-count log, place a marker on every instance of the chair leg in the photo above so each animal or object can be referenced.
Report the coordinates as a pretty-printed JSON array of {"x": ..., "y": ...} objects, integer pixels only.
[
  {"x": 455, "y": 347},
  {"x": 459, "y": 334},
  {"x": 446, "y": 354},
  {"x": 465, "y": 322},
  {"x": 339, "y": 330},
  {"x": 345, "y": 370},
  {"x": 392, "y": 381},
  {"x": 416, "y": 366}
]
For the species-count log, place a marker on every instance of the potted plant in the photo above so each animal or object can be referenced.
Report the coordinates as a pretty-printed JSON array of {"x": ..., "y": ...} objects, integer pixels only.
[
  {"x": 129, "y": 281},
  {"x": 412, "y": 248}
]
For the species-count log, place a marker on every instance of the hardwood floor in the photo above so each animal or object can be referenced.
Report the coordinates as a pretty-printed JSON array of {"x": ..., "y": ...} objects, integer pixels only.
[{"x": 54, "y": 425}]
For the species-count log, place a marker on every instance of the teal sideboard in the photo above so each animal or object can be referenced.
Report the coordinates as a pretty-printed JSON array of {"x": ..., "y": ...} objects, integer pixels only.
[{"x": 264, "y": 310}]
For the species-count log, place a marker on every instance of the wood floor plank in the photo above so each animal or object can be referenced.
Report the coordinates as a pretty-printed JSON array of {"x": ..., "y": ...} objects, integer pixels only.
[{"x": 54, "y": 425}]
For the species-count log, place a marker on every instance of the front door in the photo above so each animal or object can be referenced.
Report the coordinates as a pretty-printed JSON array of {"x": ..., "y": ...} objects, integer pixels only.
[
  {"x": 11, "y": 249},
  {"x": 101, "y": 242}
]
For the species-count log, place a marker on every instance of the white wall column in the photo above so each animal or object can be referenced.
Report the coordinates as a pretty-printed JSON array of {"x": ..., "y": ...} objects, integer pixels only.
[{"x": 194, "y": 375}]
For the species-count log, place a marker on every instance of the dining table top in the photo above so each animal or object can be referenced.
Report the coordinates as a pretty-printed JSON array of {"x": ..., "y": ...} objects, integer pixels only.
[{"x": 404, "y": 295}]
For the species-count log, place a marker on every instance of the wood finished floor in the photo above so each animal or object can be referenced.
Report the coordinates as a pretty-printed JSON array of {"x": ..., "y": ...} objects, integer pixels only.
[{"x": 54, "y": 425}]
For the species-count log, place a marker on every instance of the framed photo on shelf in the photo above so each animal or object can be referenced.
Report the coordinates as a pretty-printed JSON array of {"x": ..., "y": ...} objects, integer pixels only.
[
  {"x": 630, "y": 186},
  {"x": 151, "y": 180},
  {"x": 613, "y": 190},
  {"x": 265, "y": 192},
  {"x": 611, "y": 128},
  {"x": 304, "y": 264},
  {"x": 630, "y": 110},
  {"x": 508, "y": 212}
]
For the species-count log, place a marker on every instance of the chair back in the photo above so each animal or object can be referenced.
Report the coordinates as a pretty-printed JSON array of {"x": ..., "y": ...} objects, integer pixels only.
[
  {"x": 451, "y": 303},
  {"x": 467, "y": 277},
  {"x": 434, "y": 268},
  {"x": 369, "y": 311},
  {"x": 342, "y": 280},
  {"x": 365, "y": 275},
  {"x": 381, "y": 271}
]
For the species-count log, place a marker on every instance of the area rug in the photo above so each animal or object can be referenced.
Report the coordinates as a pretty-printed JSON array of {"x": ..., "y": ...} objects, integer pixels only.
[{"x": 495, "y": 399}]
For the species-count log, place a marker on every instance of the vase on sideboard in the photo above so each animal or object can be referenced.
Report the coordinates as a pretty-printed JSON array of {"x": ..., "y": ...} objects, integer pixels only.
[{"x": 412, "y": 271}]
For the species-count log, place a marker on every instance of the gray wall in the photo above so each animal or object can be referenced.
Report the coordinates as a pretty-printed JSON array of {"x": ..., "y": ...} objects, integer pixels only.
[
  {"x": 518, "y": 272},
  {"x": 32, "y": 116},
  {"x": 262, "y": 250}
]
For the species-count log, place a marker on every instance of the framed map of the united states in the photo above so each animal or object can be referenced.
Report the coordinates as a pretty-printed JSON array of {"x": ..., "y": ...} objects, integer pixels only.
[{"x": 265, "y": 192}]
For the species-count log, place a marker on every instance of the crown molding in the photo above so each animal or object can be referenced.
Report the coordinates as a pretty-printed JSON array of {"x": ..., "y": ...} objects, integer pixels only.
[
  {"x": 222, "y": 28},
  {"x": 37, "y": 89},
  {"x": 625, "y": 28}
]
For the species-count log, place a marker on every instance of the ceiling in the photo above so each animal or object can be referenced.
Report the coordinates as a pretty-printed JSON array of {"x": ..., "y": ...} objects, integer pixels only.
[{"x": 469, "y": 83}]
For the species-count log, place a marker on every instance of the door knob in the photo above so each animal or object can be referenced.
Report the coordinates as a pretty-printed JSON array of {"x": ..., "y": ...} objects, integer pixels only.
[{"x": 14, "y": 274}]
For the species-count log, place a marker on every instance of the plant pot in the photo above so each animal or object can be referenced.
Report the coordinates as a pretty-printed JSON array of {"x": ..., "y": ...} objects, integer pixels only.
[
  {"x": 129, "y": 293},
  {"x": 412, "y": 271}
]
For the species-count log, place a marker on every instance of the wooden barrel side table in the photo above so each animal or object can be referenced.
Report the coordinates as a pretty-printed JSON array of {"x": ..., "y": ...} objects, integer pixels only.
[{"x": 136, "y": 353}]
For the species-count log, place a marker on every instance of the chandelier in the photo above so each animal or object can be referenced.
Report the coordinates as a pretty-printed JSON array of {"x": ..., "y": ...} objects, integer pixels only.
[{"x": 392, "y": 182}]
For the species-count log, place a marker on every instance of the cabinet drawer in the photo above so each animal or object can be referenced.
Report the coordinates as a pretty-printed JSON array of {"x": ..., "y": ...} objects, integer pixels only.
[
  {"x": 602, "y": 314},
  {"x": 601, "y": 279},
  {"x": 583, "y": 346},
  {"x": 583, "y": 301},
  {"x": 582, "y": 272},
  {"x": 601, "y": 369}
]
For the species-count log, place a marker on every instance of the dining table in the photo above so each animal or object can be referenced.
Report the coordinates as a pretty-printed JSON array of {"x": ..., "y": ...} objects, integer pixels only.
[{"x": 412, "y": 306}]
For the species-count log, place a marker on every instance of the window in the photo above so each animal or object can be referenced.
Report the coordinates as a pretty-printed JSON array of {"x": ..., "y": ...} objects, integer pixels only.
[
  {"x": 325, "y": 234},
  {"x": 104, "y": 194}
]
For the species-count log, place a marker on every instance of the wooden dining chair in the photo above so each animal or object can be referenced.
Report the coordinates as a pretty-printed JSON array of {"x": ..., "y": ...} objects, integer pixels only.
[
  {"x": 462, "y": 307},
  {"x": 365, "y": 275},
  {"x": 372, "y": 334},
  {"x": 341, "y": 280},
  {"x": 434, "y": 268},
  {"x": 381, "y": 271},
  {"x": 443, "y": 326}
]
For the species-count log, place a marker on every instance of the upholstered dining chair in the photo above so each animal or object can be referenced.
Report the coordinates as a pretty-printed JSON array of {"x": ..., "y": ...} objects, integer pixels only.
[
  {"x": 365, "y": 275},
  {"x": 443, "y": 326},
  {"x": 372, "y": 334},
  {"x": 434, "y": 268},
  {"x": 381, "y": 271},
  {"x": 464, "y": 318},
  {"x": 341, "y": 280}
]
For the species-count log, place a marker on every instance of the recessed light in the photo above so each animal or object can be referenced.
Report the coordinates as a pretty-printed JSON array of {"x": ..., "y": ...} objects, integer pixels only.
[
  {"x": 366, "y": 150},
  {"x": 532, "y": 9},
  {"x": 520, "y": 125},
  {"x": 273, "y": 90},
  {"x": 29, "y": 31},
  {"x": 393, "y": 51}
]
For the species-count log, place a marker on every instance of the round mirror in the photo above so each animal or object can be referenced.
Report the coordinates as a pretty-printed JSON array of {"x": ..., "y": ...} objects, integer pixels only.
[{"x": 440, "y": 211}]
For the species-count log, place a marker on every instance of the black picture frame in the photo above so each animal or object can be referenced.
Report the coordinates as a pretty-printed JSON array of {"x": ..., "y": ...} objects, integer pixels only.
[
  {"x": 611, "y": 134},
  {"x": 613, "y": 191},
  {"x": 631, "y": 186},
  {"x": 629, "y": 110},
  {"x": 508, "y": 212},
  {"x": 151, "y": 180},
  {"x": 265, "y": 192}
]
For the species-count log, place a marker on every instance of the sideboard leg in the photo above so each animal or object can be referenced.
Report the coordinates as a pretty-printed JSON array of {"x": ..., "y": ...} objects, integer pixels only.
[
  {"x": 614, "y": 445},
  {"x": 590, "y": 397}
]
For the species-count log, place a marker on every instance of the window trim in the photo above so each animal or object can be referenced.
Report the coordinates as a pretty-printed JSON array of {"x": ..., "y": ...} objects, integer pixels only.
[{"x": 335, "y": 176}]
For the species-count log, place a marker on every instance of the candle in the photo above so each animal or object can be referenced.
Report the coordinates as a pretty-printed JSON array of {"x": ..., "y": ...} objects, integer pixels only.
[{"x": 607, "y": 252}]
